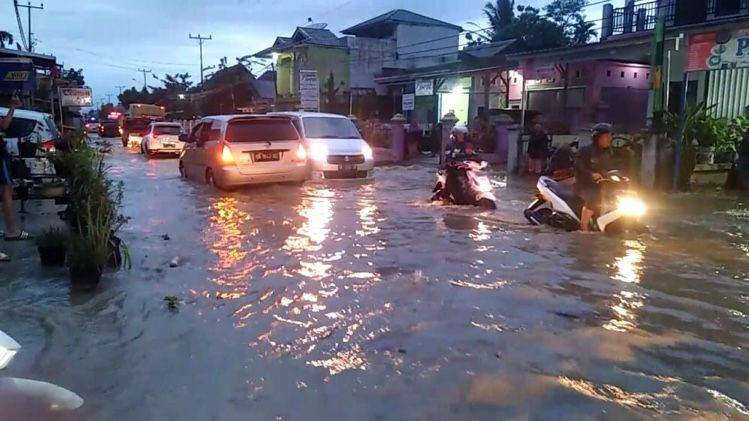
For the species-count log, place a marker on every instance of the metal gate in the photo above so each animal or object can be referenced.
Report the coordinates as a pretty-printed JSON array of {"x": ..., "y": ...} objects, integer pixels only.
[{"x": 728, "y": 89}]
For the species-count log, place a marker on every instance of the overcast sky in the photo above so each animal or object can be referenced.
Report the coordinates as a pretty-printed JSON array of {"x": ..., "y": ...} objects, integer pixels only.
[{"x": 112, "y": 39}]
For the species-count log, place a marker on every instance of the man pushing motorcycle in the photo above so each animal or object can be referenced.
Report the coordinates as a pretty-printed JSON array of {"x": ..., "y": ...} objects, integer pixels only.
[{"x": 591, "y": 163}]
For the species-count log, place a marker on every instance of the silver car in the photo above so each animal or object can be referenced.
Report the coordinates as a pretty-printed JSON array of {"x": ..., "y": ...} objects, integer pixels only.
[
  {"x": 235, "y": 150},
  {"x": 335, "y": 147}
]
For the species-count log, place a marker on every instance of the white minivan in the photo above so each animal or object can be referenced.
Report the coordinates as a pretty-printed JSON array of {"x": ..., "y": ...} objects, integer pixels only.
[
  {"x": 335, "y": 147},
  {"x": 230, "y": 151}
]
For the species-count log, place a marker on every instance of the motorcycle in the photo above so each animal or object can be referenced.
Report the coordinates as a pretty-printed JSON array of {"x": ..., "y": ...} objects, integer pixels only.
[
  {"x": 557, "y": 205},
  {"x": 30, "y": 396},
  {"x": 461, "y": 183}
]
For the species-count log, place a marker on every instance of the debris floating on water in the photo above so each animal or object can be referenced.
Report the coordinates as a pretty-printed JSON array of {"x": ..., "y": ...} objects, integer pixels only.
[
  {"x": 172, "y": 302},
  {"x": 166, "y": 237},
  {"x": 174, "y": 263}
]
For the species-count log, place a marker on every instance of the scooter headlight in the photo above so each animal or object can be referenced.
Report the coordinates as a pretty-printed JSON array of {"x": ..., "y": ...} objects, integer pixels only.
[
  {"x": 631, "y": 206},
  {"x": 8, "y": 349}
]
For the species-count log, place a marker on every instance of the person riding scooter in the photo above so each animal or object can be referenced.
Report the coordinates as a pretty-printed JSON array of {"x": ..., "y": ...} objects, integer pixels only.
[
  {"x": 562, "y": 163},
  {"x": 591, "y": 163},
  {"x": 456, "y": 146},
  {"x": 460, "y": 182}
]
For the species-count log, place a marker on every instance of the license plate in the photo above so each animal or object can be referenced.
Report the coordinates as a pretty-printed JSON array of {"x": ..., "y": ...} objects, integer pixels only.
[
  {"x": 266, "y": 156},
  {"x": 168, "y": 145},
  {"x": 347, "y": 168}
]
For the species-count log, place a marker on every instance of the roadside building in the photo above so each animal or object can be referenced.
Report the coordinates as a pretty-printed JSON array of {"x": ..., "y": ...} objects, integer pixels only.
[{"x": 230, "y": 90}]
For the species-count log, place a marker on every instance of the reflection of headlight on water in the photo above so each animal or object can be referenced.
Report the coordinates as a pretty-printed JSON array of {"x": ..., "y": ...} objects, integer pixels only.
[{"x": 631, "y": 206}]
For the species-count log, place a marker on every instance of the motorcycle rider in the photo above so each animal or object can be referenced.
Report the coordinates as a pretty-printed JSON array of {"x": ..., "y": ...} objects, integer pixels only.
[
  {"x": 456, "y": 145},
  {"x": 591, "y": 163}
]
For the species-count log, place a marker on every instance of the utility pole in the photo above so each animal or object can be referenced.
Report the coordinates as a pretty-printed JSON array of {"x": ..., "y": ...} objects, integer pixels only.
[
  {"x": 28, "y": 7},
  {"x": 120, "y": 87},
  {"x": 200, "y": 42},
  {"x": 144, "y": 71},
  {"x": 109, "y": 98}
]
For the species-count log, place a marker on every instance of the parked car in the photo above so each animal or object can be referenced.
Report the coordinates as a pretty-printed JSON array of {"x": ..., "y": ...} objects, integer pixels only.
[
  {"x": 133, "y": 130},
  {"x": 30, "y": 126},
  {"x": 334, "y": 145},
  {"x": 235, "y": 150},
  {"x": 109, "y": 128},
  {"x": 162, "y": 138}
]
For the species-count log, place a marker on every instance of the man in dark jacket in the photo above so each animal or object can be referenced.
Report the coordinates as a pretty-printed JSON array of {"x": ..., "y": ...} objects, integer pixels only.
[{"x": 591, "y": 163}]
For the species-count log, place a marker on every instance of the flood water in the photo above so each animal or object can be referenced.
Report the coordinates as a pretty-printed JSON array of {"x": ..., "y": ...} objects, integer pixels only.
[{"x": 364, "y": 301}]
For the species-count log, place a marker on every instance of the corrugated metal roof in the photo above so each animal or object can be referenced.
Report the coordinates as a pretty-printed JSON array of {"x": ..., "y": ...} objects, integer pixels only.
[
  {"x": 399, "y": 16},
  {"x": 317, "y": 36}
]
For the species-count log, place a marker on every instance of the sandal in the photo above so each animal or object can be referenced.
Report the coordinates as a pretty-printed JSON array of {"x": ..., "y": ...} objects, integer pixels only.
[{"x": 23, "y": 235}]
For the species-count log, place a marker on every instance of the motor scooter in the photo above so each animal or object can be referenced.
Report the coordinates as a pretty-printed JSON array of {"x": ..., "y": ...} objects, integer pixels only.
[{"x": 462, "y": 183}]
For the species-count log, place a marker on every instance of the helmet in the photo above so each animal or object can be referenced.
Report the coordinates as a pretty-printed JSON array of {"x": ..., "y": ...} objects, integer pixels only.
[
  {"x": 600, "y": 128},
  {"x": 460, "y": 129}
]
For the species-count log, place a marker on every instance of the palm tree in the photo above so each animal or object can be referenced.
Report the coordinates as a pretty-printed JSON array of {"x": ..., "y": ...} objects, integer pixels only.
[
  {"x": 500, "y": 14},
  {"x": 5, "y": 38},
  {"x": 582, "y": 31}
]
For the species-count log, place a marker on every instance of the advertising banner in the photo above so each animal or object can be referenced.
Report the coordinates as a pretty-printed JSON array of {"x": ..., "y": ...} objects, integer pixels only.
[
  {"x": 424, "y": 87},
  {"x": 716, "y": 50},
  {"x": 409, "y": 102},
  {"x": 309, "y": 90},
  {"x": 17, "y": 75},
  {"x": 76, "y": 97}
]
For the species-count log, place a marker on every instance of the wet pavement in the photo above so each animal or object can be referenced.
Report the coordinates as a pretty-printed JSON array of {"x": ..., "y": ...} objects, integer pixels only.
[{"x": 364, "y": 301}]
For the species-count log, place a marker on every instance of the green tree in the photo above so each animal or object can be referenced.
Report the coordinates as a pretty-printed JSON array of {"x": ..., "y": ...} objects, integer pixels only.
[
  {"x": 582, "y": 31},
  {"x": 568, "y": 14},
  {"x": 74, "y": 75},
  {"x": 6, "y": 38},
  {"x": 134, "y": 96},
  {"x": 330, "y": 91}
]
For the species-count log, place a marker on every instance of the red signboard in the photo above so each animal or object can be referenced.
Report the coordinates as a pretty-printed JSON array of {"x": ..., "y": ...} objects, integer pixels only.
[{"x": 709, "y": 51}]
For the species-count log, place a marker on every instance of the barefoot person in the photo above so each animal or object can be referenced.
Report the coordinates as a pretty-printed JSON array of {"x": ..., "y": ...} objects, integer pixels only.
[{"x": 6, "y": 181}]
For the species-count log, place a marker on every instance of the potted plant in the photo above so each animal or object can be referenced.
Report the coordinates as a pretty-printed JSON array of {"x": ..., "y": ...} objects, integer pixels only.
[
  {"x": 90, "y": 248},
  {"x": 52, "y": 246}
]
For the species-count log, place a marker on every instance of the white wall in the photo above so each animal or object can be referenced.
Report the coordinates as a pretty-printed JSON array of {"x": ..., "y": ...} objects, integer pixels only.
[
  {"x": 367, "y": 58},
  {"x": 441, "y": 43}
]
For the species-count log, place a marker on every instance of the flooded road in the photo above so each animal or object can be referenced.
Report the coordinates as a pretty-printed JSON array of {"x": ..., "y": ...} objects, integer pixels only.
[{"x": 364, "y": 301}]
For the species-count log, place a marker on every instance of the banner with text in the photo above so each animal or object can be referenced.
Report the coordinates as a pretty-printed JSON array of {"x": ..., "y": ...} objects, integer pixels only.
[
  {"x": 76, "y": 97},
  {"x": 309, "y": 90},
  {"x": 424, "y": 87},
  {"x": 716, "y": 50}
]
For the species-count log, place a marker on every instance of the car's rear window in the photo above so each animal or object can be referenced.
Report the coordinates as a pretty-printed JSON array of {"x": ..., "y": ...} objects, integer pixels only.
[
  {"x": 20, "y": 128},
  {"x": 137, "y": 124},
  {"x": 261, "y": 130},
  {"x": 167, "y": 130}
]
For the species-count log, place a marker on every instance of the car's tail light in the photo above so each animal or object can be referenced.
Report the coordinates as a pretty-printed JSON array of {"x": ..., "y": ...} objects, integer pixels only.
[
  {"x": 226, "y": 156},
  {"x": 48, "y": 145},
  {"x": 301, "y": 153}
]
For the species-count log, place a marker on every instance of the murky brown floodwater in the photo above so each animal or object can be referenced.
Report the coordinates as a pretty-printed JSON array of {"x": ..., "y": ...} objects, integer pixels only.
[{"x": 363, "y": 301}]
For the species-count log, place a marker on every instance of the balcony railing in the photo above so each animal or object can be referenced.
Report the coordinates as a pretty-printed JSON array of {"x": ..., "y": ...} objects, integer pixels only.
[{"x": 635, "y": 18}]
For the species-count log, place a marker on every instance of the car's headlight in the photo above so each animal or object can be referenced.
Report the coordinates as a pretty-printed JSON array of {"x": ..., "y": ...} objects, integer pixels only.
[
  {"x": 631, "y": 206},
  {"x": 318, "y": 152},
  {"x": 367, "y": 152}
]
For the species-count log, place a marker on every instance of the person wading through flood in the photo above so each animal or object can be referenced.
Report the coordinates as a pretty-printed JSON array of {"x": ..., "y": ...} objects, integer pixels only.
[
  {"x": 538, "y": 149},
  {"x": 591, "y": 163},
  {"x": 6, "y": 181}
]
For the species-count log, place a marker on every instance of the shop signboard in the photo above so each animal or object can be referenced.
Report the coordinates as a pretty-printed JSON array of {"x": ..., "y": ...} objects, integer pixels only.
[
  {"x": 718, "y": 50},
  {"x": 309, "y": 90},
  {"x": 424, "y": 87},
  {"x": 409, "y": 102},
  {"x": 17, "y": 75},
  {"x": 76, "y": 97}
]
